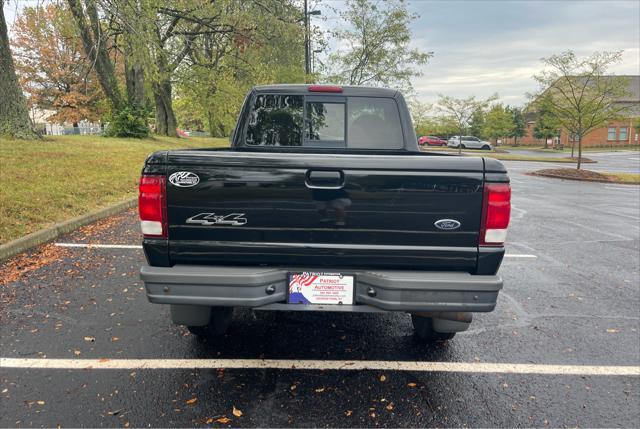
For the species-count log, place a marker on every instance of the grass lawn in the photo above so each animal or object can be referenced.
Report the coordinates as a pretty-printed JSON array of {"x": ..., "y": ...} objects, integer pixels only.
[
  {"x": 632, "y": 178},
  {"x": 57, "y": 178},
  {"x": 499, "y": 154},
  {"x": 634, "y": 148},
  {"x": 514, "y": 157}
]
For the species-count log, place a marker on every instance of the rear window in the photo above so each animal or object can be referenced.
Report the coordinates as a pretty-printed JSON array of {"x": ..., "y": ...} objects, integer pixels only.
[{"x": 313, "y": 121}]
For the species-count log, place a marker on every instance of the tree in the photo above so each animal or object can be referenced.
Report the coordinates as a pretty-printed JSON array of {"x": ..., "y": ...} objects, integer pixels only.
[
  {"x": 477, "y": 123},
  {"x": 499, "y": 122},
  {"x": 460, "y": 111},
  {"x": 547, "y": 125},
  {"x": 582, "y": 97},
  {"x": 378, "y": 37},
  {"x": 519, "y": 124},
  {"x": 14, "y": 115},
  {"x": 52, "y": 66}
]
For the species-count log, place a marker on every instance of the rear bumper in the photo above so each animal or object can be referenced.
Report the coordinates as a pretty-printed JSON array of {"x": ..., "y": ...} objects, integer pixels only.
[{"x": 375, "y": 290}]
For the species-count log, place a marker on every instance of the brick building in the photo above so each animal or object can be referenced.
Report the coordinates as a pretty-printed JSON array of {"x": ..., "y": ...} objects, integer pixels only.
[{"x": 615, "y": 133}]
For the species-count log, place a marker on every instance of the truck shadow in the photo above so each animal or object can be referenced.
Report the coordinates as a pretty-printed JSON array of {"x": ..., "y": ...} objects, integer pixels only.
[{"x": 322, "y": 335}]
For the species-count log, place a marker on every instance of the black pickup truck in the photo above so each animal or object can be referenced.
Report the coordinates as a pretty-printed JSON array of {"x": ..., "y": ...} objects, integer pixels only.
[{"x": 324, "y": 202}]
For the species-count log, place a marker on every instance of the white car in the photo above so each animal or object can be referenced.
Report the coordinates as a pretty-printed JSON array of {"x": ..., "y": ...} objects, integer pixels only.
[{"x": 469, "y": 142}]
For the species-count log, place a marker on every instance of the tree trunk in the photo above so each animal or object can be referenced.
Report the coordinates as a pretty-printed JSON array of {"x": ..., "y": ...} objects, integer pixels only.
[
  {"x": 165, "y": 117},
  {"x": 579, "y": 151},
  {"x": 134, "y": 78},
  {"x": 573, "y": 146},
  {"x": 95, "y": 49},
  {"x": 14, "y": 114}
]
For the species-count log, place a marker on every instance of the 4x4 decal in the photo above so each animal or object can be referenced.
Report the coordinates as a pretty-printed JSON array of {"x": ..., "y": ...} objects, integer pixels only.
[{"x": 233, "y": 219}]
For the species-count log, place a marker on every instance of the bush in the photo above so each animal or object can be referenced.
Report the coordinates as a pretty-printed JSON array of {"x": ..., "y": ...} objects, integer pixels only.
[{"x": 130, "y": 121}]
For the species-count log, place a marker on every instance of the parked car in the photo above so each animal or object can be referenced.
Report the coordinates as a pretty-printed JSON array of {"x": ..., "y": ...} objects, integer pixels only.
[
  {"x": 431, "y": 141},
  {"x": 324, "y": 202},
  {"x": 469, "y": 142}
]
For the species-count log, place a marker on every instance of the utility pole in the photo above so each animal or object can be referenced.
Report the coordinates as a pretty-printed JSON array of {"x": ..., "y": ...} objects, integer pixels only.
[
  {"x": 307, "y": 37},
  {"x": 307, "y": 65}
]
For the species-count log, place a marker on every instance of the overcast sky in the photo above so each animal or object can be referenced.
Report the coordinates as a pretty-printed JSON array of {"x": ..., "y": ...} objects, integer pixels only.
[{"x": 484, "y": 47}]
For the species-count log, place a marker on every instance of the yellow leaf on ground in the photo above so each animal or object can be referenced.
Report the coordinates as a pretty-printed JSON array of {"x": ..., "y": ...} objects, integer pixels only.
[
  {"x": 89, "y": 339},
  {"x": 411, "y": 384},
  {"x": 612, "y": 331},
  {"x": 192, "y": 401},
  {"x": 40, "y": 402},
  {"x": 348, "y": 413},
  {"x": 77, "y": 352},
  {"x": 383, "y": 378},
  {"x": 236, "y": 412},
  {"x": 320, "y": 390},
  {"x": 223, "y": 420}
]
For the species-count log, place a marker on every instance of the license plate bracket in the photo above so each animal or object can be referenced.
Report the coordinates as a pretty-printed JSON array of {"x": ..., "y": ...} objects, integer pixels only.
[{"x": 320, "y": 288}]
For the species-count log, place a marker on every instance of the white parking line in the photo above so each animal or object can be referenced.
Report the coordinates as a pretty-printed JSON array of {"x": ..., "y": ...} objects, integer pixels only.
[
  {"x": 464, "y": 367},
  {"x": 137, "y": 246}
]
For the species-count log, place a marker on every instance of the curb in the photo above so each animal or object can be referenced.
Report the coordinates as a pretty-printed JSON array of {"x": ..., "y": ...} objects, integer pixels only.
[{"x": 45, "y": 235}]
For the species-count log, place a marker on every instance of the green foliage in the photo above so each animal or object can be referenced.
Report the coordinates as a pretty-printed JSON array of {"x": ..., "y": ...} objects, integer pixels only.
[
  {"x": 477, "y": 123},
  {"x": 129, "y": 121},
  {"x": 379, "y": 52},
  {"x": 211, "y": 89},
  {"x": 498, "y": 123},
  {"x": 519, "y": 124},
  {"x": 547, "y": 125}
]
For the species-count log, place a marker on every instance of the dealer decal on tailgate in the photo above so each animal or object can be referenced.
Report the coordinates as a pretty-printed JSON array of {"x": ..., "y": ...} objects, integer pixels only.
[{"x": 320, "y": 288}]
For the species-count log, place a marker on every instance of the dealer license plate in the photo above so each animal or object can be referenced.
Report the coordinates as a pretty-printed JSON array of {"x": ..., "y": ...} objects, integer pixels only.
[{"x": 320, "y": 288}]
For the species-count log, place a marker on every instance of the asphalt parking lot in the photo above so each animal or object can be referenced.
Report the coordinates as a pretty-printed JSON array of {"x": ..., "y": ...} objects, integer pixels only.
[{"x": 571, "y": 302}]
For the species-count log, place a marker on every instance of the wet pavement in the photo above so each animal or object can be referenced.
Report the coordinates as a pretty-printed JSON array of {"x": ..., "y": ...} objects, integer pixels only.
[{"x": 577, "y": 302}]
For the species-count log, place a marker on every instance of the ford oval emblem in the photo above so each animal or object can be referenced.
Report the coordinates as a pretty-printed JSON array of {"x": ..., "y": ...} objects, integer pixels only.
[
  {"x": 184, "y": 179},
  {"x": 447, "y": 224}
]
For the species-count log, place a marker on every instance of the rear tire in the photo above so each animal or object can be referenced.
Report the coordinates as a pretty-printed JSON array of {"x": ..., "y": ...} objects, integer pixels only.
[
  {"x": 219, "y": 322},
  {"x": 463, "y": 146},
  {"x": 486, "y": 147},
  {"x": 423, "y": 328}
]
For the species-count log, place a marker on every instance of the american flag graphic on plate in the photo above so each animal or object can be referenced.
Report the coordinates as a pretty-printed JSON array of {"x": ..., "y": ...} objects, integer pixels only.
[{"x": 320, "y": 288}]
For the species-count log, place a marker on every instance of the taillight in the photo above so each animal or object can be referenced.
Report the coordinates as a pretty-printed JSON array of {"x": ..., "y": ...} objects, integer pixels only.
[
  {"x": 324, "y": 88},
  {"x": 152, "y": 206},
  {"x": 496, "y": 211}
]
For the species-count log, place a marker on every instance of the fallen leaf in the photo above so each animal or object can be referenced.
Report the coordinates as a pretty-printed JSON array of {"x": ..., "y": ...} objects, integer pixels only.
[
  {"x": 192, "y": 401},
  {"x": 612, "y": 331},
  {"x": 293, "y": 387},
  {"x": 5, "y": 390},
  {"x": 40, "y": 402},
  {"x": 126, "y": 424},
  {"x": 411, "y": 384},
  {"x": 348, "y": 413},
  {"x": 114, "y": 338},
  {"x": 390, "y": 406},
  {"x": 223, "y": 420},
  {"x": 209, "y": 421},
  {"x": 77, "y": 352},
  {"x": 383, "y": 378},
  {"x": 320, "y": 390},
  {"x": 90, "y": 339},
  {"x": 103, "y": 360},
  {"x": 236, "y": 412}
]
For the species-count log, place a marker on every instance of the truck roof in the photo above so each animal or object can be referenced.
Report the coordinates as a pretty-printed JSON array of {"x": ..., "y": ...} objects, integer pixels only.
[{"x": 347, "y": 90}]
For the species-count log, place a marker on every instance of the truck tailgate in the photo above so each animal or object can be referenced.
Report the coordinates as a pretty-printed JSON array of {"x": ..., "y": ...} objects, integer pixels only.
[{"x": 313, "y": 210}]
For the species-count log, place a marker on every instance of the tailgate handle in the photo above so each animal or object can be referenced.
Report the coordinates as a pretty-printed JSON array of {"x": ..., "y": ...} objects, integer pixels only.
[{"x": 323, "y": 179}]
